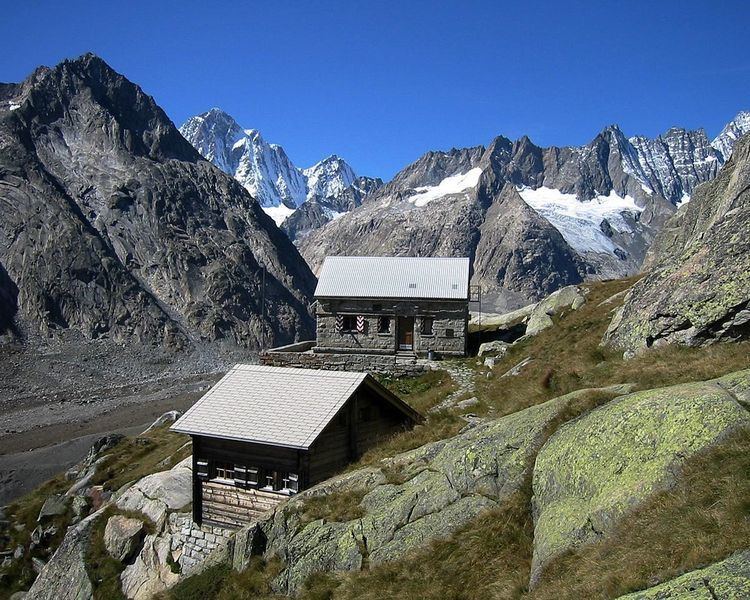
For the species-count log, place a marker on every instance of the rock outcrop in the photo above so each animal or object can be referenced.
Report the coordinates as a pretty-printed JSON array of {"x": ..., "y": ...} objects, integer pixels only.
[
  {"x": 112, "y": 225},
  {"x": 596, "y": 469},
  {"x": 122, "y": 537},
  {"x": 697, "y": 291},
  {"x": 725, "y": 580},
  {"x": 415, "y": 497}
]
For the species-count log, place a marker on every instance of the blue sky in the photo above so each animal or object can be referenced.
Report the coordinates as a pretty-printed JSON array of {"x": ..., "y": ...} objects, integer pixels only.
[{"x": 380, "y": 83}]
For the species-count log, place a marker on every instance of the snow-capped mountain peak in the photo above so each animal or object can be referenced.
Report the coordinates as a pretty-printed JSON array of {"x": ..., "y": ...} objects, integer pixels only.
[
  {"x": 265, "y": 170},
  {"x": 736, "y": 128},
  {"x": 329, "y": 177}
]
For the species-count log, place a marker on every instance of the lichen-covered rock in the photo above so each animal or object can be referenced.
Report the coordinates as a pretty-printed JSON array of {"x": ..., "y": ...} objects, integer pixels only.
[
  {"x": 158, "y": 493},
  {"x": 698, "y": 289},
  {"x": 64, "y": 577},
  {"x": 437, "y": 488},
  {"x": 53, "y": 506},
  {"x": 541, "y": 316},
  {"x": 122, "y": 536},
  {"x": 725, "y": 580},
  {"x": 597, "y": 468}
]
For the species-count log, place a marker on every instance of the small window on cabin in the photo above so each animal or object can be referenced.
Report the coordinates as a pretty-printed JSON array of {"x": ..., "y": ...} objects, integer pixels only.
[
  {"x": 412, "y": 286},
  {"x": 270, "y": 479},
  {"x": 290, "y": 483},
  {"x": 253, "y": 474},
  {"x": 377, "y": 307},
  {"x": 384, "y": 325},
  {"x": 427, "y": 325},
  {"x": 349, "y": 324},
  {"x": 449, "y": 333},
  {"x": 223, "y": 470}
]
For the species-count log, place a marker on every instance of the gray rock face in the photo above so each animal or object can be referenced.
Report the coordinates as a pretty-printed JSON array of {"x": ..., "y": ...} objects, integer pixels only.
[
  {"x": 698, "y": 289},
  {"x": 158, "y": 493},
  {"x": 569, "y": 297},
  {"x": 122, "y": 537},
  {"x": 111, "y": 224},
  {"x": 725, "y": 580},
  {"x": 53, "y": 506},
  {"x": 150, "y": 573},
  {"x": 8, "y": 301},
  {"x": 596, "y": 469},
  {"x": 64, "y": 577},
  {"x": 445, "y": 485}
]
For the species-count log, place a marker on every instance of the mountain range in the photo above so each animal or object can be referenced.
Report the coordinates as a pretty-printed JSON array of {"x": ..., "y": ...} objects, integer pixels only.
[
  {"x": 533, "y": 218},
  {"x": 325, "y": 190}
]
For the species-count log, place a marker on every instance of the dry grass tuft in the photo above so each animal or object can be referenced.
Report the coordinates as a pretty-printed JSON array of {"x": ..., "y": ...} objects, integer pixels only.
[{"x": 337, "y": 506}]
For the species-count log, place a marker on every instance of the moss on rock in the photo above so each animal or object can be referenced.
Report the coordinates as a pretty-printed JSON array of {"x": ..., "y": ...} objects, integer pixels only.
[
  {"x": 728, "y": 580},
  {"x": 594, "y": 470}
]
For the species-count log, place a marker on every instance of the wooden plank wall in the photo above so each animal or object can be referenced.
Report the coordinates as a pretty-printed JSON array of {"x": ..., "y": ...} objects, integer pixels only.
[{"x": 235, "y": 507}]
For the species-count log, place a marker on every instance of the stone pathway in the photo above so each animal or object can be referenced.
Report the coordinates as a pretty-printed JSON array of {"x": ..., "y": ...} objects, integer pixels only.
[{"x": 463, "y": 377}]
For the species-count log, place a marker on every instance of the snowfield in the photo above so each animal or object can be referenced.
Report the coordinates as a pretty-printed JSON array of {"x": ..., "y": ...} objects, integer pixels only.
[
  {"x": 455, "y": 184},
  {"x": 278, "y": 213},
  {"x": 580, "y": 222}
]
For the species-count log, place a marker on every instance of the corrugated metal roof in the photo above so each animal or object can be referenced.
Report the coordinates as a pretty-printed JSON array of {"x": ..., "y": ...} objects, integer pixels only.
[
  {"x": 393, "y": 277},
  {"x": 270, "y": 405}
]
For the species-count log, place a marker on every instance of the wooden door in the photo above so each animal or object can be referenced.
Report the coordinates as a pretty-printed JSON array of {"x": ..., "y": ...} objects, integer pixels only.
[{"x": 406, "y": 333}]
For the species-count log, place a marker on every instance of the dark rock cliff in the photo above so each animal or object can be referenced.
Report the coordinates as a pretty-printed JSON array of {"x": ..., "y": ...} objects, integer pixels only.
[{"x": 112, "y": 224}]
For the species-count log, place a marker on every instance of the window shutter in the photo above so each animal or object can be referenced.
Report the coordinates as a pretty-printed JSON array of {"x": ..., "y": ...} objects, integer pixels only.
[
  {"x": 240, "y": 476},
  {"x": 360, "y": 324},
  {"x": 340, "y": 323},
  {"x": 202, "y": 469}
]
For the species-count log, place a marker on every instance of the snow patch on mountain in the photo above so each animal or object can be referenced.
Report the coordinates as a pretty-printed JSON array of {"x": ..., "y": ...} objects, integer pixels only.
[
  {"x": 455, "y": 184},
  {"x": 580, "y": 223},
  {"x": 328, "y": 178},
  {"x": 278, "y": 213}
]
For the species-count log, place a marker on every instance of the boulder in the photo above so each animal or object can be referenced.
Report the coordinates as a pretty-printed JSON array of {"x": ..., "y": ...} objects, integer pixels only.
[
  {"x": 415, "y": 497},
  {"x": 597, "y": 468},
  {"x": 168, "y": 417},
  {"x": 541, "y": 315},
  {"x": 158, "y": 493},
  {"x": 500, "y": 322},
  {"x": 53, "y": 506},
  {"x": 496, "y": 348},
  {"x": 725, "y": 580},
  {"x": 122, "y": 537},
  {"x": 151, "y": 572}
]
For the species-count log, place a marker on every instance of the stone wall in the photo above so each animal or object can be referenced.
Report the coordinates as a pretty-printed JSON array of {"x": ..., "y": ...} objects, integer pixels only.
[
  {"x": 446, "y": 316},
  {"x": 191, "y": 544},
  {"x": 397, "y": 366}
]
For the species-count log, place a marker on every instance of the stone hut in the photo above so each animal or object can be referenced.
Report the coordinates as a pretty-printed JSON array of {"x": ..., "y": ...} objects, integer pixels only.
[{"x": 392, "y": 305}]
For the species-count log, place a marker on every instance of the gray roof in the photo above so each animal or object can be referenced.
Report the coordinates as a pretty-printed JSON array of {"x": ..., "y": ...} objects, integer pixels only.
[
  {"x": 393, "y": 277},
  {"x": 272, "y": 405}
]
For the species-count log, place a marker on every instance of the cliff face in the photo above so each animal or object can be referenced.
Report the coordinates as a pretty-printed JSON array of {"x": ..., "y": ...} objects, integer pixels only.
[
  {"x": 113, "y": 225},
  {"x": 697, "y": 290}
]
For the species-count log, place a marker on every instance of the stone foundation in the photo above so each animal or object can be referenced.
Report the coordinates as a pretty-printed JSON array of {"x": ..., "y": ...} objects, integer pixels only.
[
  {"x": 191, "y": 544},
  {"x": 385, "y": 364}
]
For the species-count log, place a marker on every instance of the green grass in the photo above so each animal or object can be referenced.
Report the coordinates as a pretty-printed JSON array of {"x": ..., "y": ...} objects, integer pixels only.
[
  {"x": 103, "y": 570},
  {"x": 337, "y": 506},
  {"x": 220, "y": 582},
  {"x": 136, "y": 457}
]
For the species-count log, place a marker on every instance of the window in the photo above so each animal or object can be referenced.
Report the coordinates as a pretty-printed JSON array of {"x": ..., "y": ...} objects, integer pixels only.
[
  {"x": 384, "y": 325},
  {"x": 349, "y": 323},
  {"x": 427, "y": 325},
  {"x": 270, "y": 477},
  {"x": 223, "y": 470},
  {"x": 449, "y": 333},
  {"x": 290, "y": 483},
  {"x": 412, "y": 286},
  {"x": 253, "y": 475}
]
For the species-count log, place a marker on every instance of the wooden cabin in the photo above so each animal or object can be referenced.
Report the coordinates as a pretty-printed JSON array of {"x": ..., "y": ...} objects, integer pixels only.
[
  {"x": 264, "y": 433},
  {"x": 390, "y": 305}
]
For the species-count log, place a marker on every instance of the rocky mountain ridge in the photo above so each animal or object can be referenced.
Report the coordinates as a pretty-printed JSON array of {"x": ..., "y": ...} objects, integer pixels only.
[
  {"x": 265, "y": 170},
  {"x": 112, "y": 225},
  {"x": 607, "y": 200}
]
